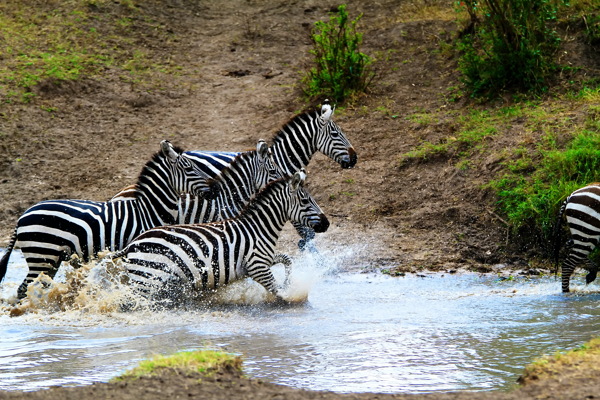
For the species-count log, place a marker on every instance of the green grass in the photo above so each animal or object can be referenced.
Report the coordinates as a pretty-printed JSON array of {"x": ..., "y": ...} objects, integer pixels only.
[
  {"x": 585, "y": 357},
  {"x": 200, "y": 361},
  {"x": 548, "y": 150},
  {"x": 538, "y": 177},
  {"x": 475, "y": 128},
  {"x": 65, "y": 41}
]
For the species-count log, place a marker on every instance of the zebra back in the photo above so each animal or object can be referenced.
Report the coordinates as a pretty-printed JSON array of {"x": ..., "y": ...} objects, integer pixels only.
[{"x": 232, "y": 189}]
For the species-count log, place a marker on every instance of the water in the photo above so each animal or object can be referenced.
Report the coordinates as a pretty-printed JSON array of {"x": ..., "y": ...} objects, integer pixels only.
[{"x": 357, "y": 332}]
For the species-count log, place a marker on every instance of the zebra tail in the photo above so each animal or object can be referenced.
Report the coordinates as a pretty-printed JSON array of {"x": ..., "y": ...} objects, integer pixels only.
[
  {"x": 6, "y": 256},
  {"x": 556, "y": 235}
]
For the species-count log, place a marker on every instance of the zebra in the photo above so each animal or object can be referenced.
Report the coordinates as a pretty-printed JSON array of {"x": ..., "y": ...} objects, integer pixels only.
[
  {"x": 182, "y": 261},
  {"x": 52, "y": 230},
  {"x": 582, "y": 211},
  {"x": 293, "y": 147}
]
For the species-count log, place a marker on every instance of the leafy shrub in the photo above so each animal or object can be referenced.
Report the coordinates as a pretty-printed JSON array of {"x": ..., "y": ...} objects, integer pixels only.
[
  {"x": 340, "y": 68},
  {"x": 531, "y": 200},
  {"x": 508, "y": 44},
  {"x": 592, "y": 28}
]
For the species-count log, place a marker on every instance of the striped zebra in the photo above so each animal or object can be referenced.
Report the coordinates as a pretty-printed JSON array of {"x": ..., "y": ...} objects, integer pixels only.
[
  {"x": 582, "y": 211},
  {"x": 293, "y": 147},
  {"x": 182, "y": 261},
  {"x": 230, "y": 191},
  {"x": 52, "y": 230}
]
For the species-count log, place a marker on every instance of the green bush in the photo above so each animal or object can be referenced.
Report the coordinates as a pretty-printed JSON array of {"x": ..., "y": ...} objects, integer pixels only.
[
  {"x": 531, "y": 200},
  {"x": 340, "y": 68},
  {"x": 592, "y": 28},
  {"x": 508, "y": 44}
]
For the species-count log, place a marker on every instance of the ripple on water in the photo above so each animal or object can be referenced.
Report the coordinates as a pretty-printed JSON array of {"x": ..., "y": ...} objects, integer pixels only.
[{"x": 354, "y": 332}]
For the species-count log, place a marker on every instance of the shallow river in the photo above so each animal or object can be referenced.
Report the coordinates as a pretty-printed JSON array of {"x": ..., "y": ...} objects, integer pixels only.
[{"x": 356, "y": 332}]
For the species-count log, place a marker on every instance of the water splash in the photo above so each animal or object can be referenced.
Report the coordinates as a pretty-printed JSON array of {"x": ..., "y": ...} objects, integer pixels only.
[{"x": 99, "y": 287}]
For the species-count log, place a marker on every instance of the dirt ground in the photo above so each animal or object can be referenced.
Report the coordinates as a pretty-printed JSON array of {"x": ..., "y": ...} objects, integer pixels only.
[{"x": 240, "y": 63}]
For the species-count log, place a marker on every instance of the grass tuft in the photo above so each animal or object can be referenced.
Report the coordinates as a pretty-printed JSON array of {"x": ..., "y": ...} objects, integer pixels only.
[
  {"x": 204, "y": 362},
  {"x": 547, "y": 367}
]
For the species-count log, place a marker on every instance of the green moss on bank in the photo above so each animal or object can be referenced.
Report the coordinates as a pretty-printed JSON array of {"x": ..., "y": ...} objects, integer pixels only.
[
  {"x": 205, "y": 362},
  {"x": 585, "y": 358}
]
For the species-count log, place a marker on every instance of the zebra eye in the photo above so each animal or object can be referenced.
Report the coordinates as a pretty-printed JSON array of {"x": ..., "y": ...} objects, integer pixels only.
[{"x": 334, "y": 133}]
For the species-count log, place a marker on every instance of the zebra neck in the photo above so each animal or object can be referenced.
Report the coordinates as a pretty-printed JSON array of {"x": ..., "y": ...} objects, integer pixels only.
[
  {"x": 235, "y": 196},
  {"x": 293, "y": 148},
  {"x": 157, "y": 196},
  {"x": 268, "y": 216}
]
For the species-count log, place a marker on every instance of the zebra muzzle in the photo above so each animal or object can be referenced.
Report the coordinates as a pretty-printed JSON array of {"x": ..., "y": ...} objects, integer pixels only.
[
  {"x": 321, "y": 225},
  {"x": 350, "y": 160}
]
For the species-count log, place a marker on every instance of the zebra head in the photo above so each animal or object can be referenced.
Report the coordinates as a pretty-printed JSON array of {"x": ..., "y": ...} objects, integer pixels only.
[
  {"x": 332, "y": 141},
  {"x": 249, "y": 172},
  {"x": 186, "y": 175},
  {"x": 304, "y": 209},
  {"x": 266, "y": 170}
]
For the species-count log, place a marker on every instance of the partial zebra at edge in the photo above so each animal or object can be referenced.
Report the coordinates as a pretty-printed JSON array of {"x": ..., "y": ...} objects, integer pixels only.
[{"x": 581, "y": 210}]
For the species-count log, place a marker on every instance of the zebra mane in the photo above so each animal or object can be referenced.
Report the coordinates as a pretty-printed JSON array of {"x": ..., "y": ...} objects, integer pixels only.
[
  {"x": 271, "y": 186},
  {"x": 229, "y": 170},
  {"x": 156, "y": 159},
  {"x": 297, "y": 119}
]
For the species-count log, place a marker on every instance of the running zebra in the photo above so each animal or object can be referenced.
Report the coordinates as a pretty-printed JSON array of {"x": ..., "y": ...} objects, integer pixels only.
[
  {"x": 582, "y": 211},
  {"x": 52, "y": 230},
  {"x": 293, "y": 147},
  {"x": 181, "y": 261}
]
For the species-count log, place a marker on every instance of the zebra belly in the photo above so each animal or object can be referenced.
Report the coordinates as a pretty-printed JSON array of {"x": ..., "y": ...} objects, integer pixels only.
[
  {"x": 584, "y": 221},
  {"x": 53, "y": 230}
]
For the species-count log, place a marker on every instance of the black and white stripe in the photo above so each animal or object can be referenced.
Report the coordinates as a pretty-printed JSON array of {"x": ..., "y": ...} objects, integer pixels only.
[
  {"x": 582, "y": 211},
  {"x": 182, "y": 261},
  {"x": 52, "y": 230},
  {"x": 232, "y": 189}
]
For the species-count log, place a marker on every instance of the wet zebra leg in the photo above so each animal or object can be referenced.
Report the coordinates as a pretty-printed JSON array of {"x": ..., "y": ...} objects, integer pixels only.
[
  {"x": 572, "y": 261},
  {"x": 287, "y": 263},
  {"x": 593, "y": 271}
]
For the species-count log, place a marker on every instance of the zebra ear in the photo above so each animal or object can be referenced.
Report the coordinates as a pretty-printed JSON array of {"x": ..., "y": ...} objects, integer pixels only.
[
  {"x": 298, "y": 179},
  {"x": 168, "y": 150},
  {"x": 262, "y": 149},
  {"x": 326, "y": 111}
]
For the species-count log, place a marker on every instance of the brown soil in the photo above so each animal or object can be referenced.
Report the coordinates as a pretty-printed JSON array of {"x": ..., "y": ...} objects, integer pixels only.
[
  {"x": 240, "y": 61},
  {"x": 225, "y": 385}
]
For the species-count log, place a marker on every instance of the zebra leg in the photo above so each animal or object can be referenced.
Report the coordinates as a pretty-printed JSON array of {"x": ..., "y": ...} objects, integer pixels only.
[
  {"x": 573, "y": 260},
  {"x": 287, "y": 263},
  {"x": 261, "y": 273},
  {"x": 48, "y": 265},
  {"x": 593, "y": 271}
]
